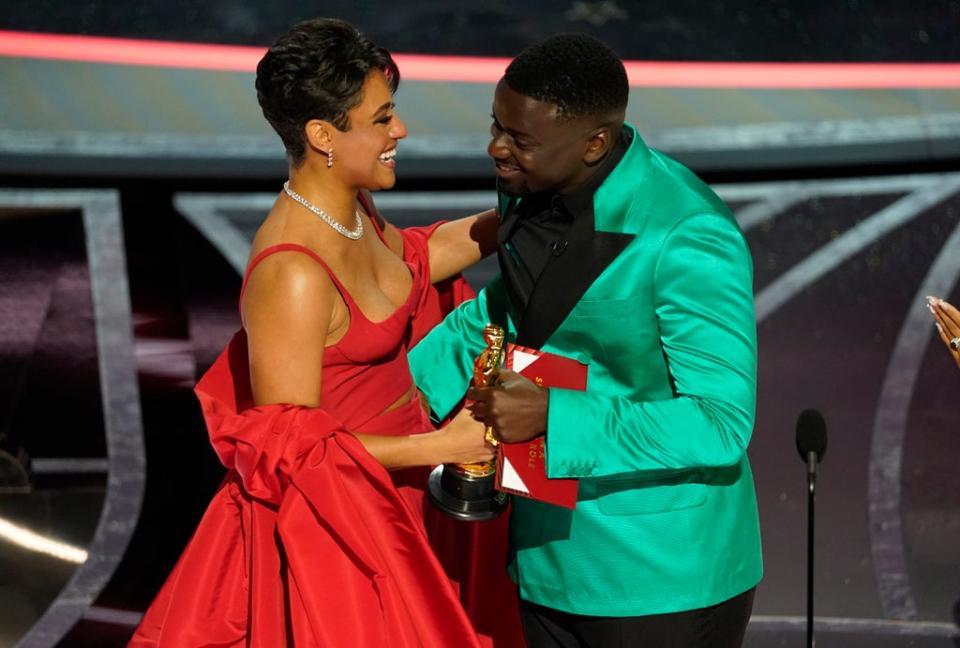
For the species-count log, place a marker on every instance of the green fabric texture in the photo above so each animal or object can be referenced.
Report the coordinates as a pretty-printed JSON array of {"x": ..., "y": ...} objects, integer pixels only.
[{"x": 666, "y": 518}]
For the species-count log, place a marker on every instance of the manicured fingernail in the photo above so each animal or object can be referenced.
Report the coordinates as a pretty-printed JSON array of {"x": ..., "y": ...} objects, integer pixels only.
[
  {"x": 939, "y": 328},
  {"x": 930, "y": 308},
  {"x": 931, "y": 299},
  {"x": 942, "y": 303}
]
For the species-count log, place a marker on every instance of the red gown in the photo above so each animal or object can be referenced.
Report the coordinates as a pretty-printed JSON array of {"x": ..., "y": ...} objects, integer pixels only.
[{"x": 309, "y": 541}]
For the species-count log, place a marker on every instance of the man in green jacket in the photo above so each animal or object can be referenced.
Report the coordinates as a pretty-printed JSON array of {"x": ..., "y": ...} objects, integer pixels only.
[{"x": 615, "y": 255}]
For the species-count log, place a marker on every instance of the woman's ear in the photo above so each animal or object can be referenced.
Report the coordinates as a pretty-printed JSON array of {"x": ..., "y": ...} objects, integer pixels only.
[{"x": 317, "y": 133}]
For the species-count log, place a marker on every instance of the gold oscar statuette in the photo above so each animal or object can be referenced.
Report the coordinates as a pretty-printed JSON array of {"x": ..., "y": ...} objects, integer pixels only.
[{"x": 466, "y": 491}]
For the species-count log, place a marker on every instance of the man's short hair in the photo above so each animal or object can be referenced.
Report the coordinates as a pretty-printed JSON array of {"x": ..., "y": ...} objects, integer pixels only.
[{"x": 576, "y": 72}]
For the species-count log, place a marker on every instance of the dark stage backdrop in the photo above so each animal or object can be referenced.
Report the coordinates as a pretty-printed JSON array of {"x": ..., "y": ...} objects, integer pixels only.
[
  {"x": 74, "y": 116},
  {"x": 842, "y": 268},
  {"x": 839, "y": 30}
]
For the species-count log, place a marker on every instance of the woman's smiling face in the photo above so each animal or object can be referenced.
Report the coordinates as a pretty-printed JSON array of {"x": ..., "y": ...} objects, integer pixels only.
[{"x": 364, "y": 154}]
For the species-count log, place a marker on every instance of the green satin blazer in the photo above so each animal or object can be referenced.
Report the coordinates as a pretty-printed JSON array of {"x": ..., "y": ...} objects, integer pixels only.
[{"x": 666, "y": 518}]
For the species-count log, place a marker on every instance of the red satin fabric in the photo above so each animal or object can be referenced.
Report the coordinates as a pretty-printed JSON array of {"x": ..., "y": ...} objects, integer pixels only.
[{"x": 309, "y": 541}]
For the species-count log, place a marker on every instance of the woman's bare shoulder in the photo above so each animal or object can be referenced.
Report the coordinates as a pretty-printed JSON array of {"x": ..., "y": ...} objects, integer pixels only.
[{"x": 288, "y": 274}]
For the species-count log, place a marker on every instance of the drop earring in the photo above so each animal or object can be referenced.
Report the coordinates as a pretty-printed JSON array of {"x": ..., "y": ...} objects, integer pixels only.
[{"x": 330, "y": 157}]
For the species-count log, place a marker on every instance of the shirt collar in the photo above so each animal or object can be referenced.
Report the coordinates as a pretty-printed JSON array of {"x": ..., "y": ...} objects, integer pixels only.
[{"x": 580, "y": 199}]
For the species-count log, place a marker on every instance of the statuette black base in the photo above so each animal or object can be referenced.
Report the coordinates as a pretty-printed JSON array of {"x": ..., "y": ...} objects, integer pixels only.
[{"x": 465, "y": 496}]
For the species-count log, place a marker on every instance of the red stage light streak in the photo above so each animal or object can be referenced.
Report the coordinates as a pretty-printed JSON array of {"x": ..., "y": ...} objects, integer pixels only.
[{"x": 475, "y": 69}]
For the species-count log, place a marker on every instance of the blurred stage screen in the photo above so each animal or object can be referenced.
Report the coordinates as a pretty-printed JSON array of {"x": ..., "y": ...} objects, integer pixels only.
[{"x": 166, "y": 89}]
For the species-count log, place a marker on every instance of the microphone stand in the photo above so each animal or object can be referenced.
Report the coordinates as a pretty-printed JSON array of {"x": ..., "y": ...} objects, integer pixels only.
[
  {"x": 811, "y": 445},
  {"x": 811, "y": 496}
]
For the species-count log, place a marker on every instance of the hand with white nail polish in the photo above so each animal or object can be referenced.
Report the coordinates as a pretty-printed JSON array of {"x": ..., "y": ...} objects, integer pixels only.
[{"x": 948, "y": 325}]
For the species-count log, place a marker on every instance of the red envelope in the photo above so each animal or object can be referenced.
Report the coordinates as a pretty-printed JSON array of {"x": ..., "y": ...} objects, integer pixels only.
[{"x": 521, "y": 469}]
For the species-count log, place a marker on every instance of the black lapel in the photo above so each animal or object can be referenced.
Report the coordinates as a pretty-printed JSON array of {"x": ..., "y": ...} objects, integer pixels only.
[{"x": 566, "y": 277}]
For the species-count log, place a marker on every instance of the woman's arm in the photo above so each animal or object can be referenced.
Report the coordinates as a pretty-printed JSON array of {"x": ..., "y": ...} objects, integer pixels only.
[
  {"x": 453, "y": 246},
  {"x": 460, "y": 243},
  {"x": 460, "y": 441},
  {"x": 290, "y": 309}
]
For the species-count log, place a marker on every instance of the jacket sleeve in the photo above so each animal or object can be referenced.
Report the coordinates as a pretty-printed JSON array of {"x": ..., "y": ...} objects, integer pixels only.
[
  {"x": 703, "y": 297},
  {"x": 442, "y": 363}
]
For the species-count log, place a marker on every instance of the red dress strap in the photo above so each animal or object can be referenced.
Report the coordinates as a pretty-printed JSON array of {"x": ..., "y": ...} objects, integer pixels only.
[{"x": 289, "y": 247}]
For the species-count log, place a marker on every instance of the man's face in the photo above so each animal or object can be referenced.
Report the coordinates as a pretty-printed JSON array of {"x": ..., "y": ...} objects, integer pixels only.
[{"x": 533, "y": 149}]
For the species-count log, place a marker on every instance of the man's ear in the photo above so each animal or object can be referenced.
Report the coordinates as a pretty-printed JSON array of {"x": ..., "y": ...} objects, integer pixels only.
[
  {"x": 599, "y": 142},
  {"x": 317, "y": 133}
]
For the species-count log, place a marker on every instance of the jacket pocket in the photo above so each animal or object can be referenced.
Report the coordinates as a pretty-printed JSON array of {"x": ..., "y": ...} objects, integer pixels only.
[
  {"x": 634, "y": 497},
  {"x": 605, "y": 308}
]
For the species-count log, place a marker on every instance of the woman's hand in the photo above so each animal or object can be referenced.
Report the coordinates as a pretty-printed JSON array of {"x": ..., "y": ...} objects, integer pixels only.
[
  {"x": 948, "y": 325},
  {"x": 461, "y": 440}
]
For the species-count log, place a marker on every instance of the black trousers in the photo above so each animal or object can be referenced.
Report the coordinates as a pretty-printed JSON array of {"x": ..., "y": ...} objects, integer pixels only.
[{"x": 718, "y": 626}]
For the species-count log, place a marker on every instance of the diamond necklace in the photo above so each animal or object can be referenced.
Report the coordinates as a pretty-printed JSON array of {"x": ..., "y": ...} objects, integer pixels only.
[{"x": 353, "y": 234}]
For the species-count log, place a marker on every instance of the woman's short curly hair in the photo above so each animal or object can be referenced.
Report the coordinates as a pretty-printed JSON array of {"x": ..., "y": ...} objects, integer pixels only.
[
  {"x": 317, "y": 71},
  {"x": 576, "y": 72}
]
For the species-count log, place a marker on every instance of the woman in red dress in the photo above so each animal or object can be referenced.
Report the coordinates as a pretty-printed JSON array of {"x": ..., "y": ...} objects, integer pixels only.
[{"x": 316, "y": 536}]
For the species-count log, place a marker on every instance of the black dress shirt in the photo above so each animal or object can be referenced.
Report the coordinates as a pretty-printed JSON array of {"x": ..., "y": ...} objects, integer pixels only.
[{"x": 538, "y": 227}]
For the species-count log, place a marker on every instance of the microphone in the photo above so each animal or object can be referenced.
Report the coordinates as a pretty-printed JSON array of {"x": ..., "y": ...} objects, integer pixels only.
[
  {"x": 811, "y": 444},
  {"x": 811, "y": 440}
]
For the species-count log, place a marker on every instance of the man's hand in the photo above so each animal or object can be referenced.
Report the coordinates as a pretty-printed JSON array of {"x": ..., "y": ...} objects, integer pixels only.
[{"x": 515, "y": 407}]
